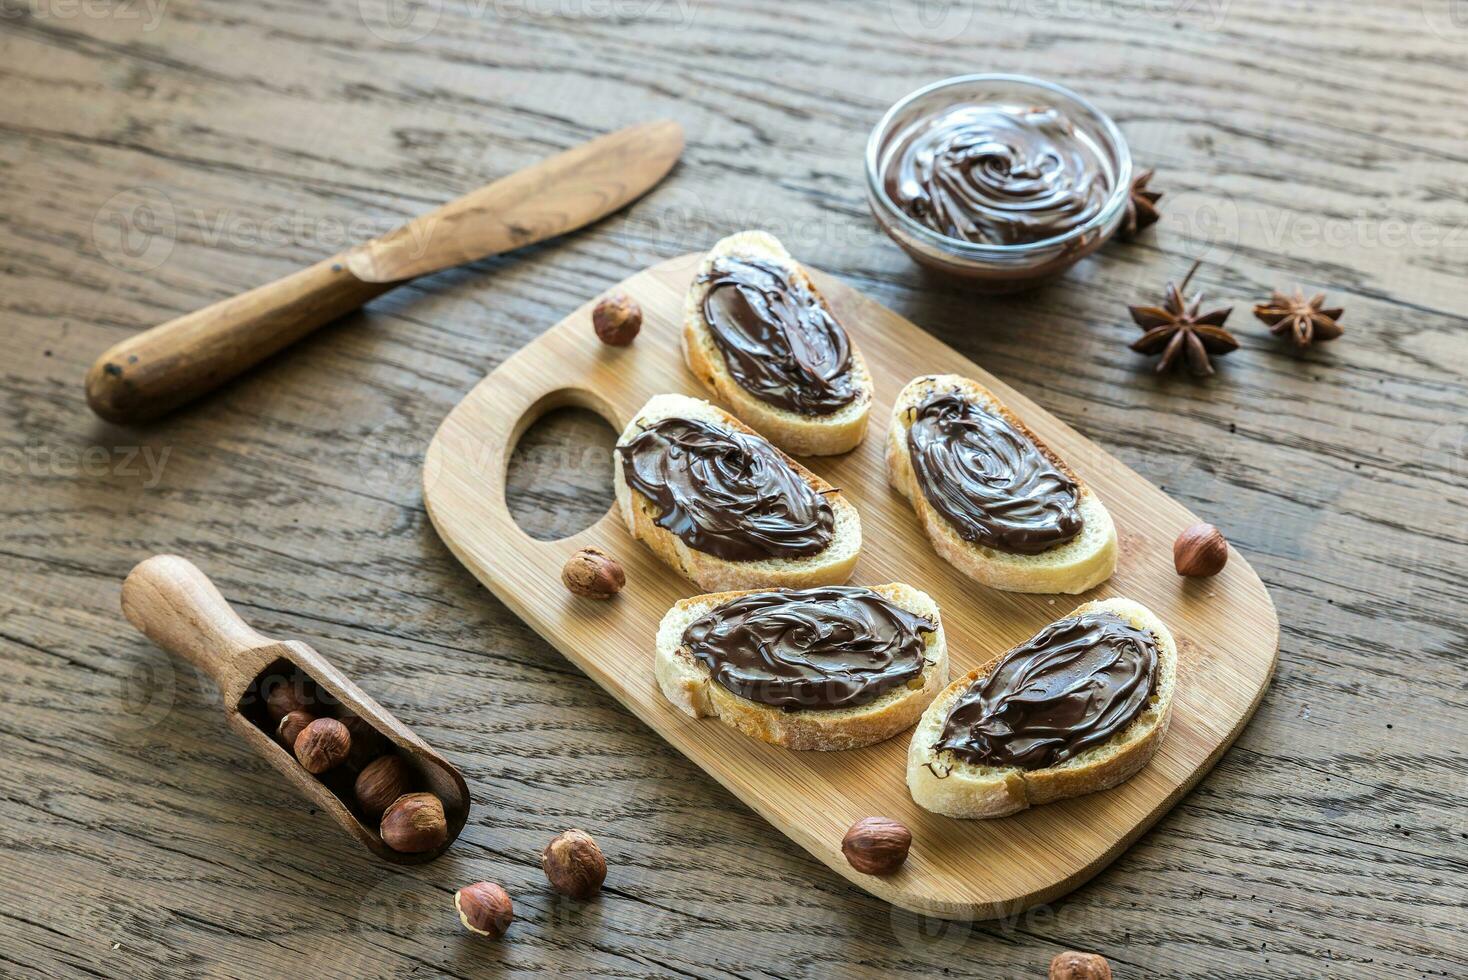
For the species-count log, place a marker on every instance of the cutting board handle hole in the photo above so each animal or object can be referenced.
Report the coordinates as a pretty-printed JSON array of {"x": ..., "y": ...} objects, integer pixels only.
[{"x": 564, "y": 440}]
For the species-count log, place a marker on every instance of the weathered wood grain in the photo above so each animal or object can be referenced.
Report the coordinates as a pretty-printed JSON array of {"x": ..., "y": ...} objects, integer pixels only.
[{"x": 1320, "y": 144}]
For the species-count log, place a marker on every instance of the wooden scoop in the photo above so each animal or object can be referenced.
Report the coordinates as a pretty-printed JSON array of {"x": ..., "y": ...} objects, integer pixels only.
[{"x": 177, "y": 607}]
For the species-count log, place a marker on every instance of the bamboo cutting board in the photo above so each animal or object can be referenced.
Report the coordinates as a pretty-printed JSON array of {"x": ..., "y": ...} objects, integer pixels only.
[{"x": 1226, "y": 627}]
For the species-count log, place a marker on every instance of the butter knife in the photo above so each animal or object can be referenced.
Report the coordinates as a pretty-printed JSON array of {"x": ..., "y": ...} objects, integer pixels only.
[{"x": 160, "y": 369}]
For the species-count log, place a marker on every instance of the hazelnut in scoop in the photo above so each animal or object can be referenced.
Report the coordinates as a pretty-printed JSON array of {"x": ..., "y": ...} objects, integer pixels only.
[
  {"x": 367, "y": 742},
  {"x": 284, "y": 695},
  {"x": 292, "y": 725},
  {"x": 415, "y": 823},
  {"x": 323, "y": 745},
  {"x": 382, "y": 781}
]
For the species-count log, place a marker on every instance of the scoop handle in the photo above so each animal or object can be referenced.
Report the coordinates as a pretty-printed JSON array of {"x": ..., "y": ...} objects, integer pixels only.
[{"x": 174, "y": 604}]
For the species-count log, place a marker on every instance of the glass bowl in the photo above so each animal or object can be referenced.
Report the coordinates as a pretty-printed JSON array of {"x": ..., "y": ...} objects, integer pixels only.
[{"x": 993, "y": 267}]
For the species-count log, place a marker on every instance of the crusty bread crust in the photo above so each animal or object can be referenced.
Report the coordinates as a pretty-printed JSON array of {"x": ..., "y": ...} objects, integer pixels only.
[
  {"x": 830, "y": 567},
  {"x": 1082, "y": 563},
  {"x": 943, "y": 783},
  {"x": 687, "y": 684},
  {"x": 804, "y": 435}
]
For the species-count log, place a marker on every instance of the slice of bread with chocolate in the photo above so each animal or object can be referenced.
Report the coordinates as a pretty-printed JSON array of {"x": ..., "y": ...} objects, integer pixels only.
[
  {"x": 759, "y": 334},
  {"x": 994, "y": 500},
  {"x": 1080, "y": 707},
  {"x": 712, "y": 498},
  {"x": 830, "y": 668}
]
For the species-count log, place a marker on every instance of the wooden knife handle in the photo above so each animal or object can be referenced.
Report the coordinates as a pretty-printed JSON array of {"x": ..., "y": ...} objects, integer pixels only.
[
  {"x": 156, "y": 371},
  {"x": 175, "y": 605}
]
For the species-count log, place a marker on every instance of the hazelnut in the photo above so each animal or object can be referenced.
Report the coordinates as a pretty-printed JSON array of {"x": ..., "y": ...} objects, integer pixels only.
[
  {"x": 284, "y": 695},
  {"x": 1200, "y": 551},
  {"x": 367, "y": 742},
  {"x": 593, "y": 574},
  {"x": 1071, "y": 965},
  {"x": 414, "y": 823},
  {"x": 573, "y": 864},
  {"x": 616, "y": 318},
  {"x": 292, "y": 725},
  {"x": 484, "y": 908},
  {"x": 323, "y": 744},
  {"x": 381, "y": 782},
  {"x": 876, "y": 845}
]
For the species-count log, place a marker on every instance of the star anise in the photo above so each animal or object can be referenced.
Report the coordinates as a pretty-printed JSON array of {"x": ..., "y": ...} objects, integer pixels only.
[
  {"x": 1303, "y": 320},
  {"x": 1179, "y": 331},
  {"x": 1141, "y": 207}
]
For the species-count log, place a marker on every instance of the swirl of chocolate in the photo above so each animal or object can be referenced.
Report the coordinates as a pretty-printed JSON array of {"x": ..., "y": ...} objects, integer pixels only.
[
  {"x": 778, "y": 338},
  {"x": 999, "y": 175},
  {"x": 826, "y": 648},
  {"x": 1075, "y": 685},
  {"x": 988, "y": 479},
  {"x": 726, "y": 493}
]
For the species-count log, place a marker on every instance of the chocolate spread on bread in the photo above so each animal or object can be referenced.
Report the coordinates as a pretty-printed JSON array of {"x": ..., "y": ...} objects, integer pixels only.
[
  {"x": 998, "y": 175},
  {"x": 824, "y": 648},
  {"x": 1076, "y": 684},
  {"x": 778, "y": 338},
  {"x": 989, "y": 479},
  {"x": 726, "y": 493}
]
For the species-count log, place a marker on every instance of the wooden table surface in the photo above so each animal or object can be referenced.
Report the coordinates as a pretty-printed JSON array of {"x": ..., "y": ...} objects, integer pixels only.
[{"x": 156, "y": 156}]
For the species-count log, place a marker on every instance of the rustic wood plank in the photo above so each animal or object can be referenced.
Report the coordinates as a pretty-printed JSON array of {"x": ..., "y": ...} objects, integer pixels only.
[{"x": 1325, "y": 141}]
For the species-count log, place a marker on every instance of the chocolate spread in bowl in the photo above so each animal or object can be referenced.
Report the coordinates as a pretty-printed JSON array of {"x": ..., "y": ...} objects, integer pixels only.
[
  {"x": 824, "y": 648},
  {"x": 726, "y": 493},
  {"x": 778, "y": 338},
  {"x": 989, "y": 479},
  {"x": 1076, "y": 684},
  {"x": 998, "y": 174}
]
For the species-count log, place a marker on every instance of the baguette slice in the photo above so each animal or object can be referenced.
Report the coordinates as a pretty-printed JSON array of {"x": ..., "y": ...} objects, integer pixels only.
[
  {"x": 1081, "y": 563},
  {"x": 804, "y": 435},
  {"x": 973, "y": 791},
  {"x": 689, "y": 685},
  {"x": 832, "y": 566}
]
